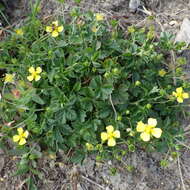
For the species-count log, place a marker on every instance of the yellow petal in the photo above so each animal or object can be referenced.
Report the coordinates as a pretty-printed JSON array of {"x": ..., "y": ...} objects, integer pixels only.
[
  {"x": 145, "y": 136},
  {"x": 54, "y": 34},
  {"x": 180, "y": 100},
  {"x": 94, "y": 29},
  {"x": 185, "y": 95},
  {"x": 156, "y": 132},
  {"x": 30, "y": 78},
  {"x": 116, "y": 134},
  {"x": 9, "y": 78},
  {"x": 152, "y": 122},
  {"x": 179, "y": 90},
  {"x": 22, "y": 141},
  {"x": 89, "y": 146},
  {"x": 16, "y": 138},
  {"x": 55, "y": 23},
  {"x": 37, "y": 77},
  {"x": 140, "y": 126},
  {"x": 111, "y": 142},
  {"x": 60, "y": 29},
  {"x": 49, "y": 29},
  {"x": 109, "y": 128},
  {"x": 174, "y": 94},
  {"x": 38, "y": 70},
  {"x": 31, "y": 70},
  {"x": 104, "y": 136},
  {"x": 99, "y": 17},
  {"x": 25, "y": 134},
  {"x": 20, "y": 130},
  {"x": 19, "y": 32}
]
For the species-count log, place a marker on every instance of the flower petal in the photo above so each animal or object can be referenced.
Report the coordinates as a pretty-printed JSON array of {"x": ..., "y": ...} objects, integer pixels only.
[
  {"x": 54, "y": 34},
  {"x": 179, "y": 90},
  {"x": 180, "y": 100},
  {"x": 31, "y": 70},
  {"x": 55, "y": 23},
  {"x": 116, "y": 134},
  {"x": 104, "y": 136},
  {"x": 16, "y": 138},
  {"x": 140, "y": 126},
  {"x": 30, "y": 78},
  {"x": 60, "y": 29},
  {"x": 25, "y": 134},
  {"x": 9, "y": 78},
  {"x": 156, "y": 132},
  {"x": 99, "y": 16},
  {"x": 38, "y": 70},
  {"x": 174, "y": 94},
  {"x": 145, "y": 136},
  {"x": 22, "y": 141},
  {"x": 152, "y": 122},
  {"x": 20, "y": 130},
  {"x": 111, "y": 142},
  {"x": 94, "y": 29},
  {"x": 37, "y": 77},
  {"x": 49, "y": 29},
  {"x": 185, "y": 95},
  {"x": 109, "y": 128}
]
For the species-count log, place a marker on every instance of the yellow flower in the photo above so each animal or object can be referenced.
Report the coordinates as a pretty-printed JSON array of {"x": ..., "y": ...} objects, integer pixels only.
[
  {"x": 110, "y": 135},
  {"x": 9, "y": 78},
  {"x": 94, "y": 29},
  {"x": 180, "y": 94},
  {"x": 137, "y": 83},
  {"x": 21, "y": 137},
  {"x": 89, "y": 147},
  {"x": 148, "y": 130},
  {"x": 99, "y": 17},
  {"x": 54, "y": 29},
  {"x": 34, "y": 73},
  {"x": 161, "y": 73},
  {"x": 131, "y": 29},
  {"x": 19, "y": 32}
]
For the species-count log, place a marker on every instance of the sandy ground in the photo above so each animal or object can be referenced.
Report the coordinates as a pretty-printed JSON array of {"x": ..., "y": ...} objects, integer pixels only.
[{"x": 136, "y": 171}]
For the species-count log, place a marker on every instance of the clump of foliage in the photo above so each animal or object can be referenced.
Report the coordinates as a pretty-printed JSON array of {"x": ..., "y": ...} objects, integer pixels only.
[{"x": 86, "y": 85}]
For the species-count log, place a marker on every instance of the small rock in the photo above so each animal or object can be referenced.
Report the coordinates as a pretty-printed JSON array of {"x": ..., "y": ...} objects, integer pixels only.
[
  {"x": 173, "y": 23},
  {"x": 79, "y": 187},
  {"x": 133, "y": 5},
  {"x": 184, "y": 34},
  {"x": 115, "y": 180},
  {"x": 2, "y": 160}
]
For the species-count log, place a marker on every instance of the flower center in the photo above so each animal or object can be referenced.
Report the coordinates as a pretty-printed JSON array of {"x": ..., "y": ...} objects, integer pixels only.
[
  {"x": 110, "y": 135},
  {"x": 180, "y": 95},
  {"x": 148, "y": 128}
]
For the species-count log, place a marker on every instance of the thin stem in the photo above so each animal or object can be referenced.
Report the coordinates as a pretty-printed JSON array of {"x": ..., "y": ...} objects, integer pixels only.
[{"x": 110, "y": 98}]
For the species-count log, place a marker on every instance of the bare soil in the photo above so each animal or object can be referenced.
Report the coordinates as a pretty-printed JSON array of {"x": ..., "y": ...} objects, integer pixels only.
[{"x": 146, "y": 172}]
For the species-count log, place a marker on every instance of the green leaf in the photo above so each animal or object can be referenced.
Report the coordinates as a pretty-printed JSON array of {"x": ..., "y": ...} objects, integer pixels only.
[
  {"x": 96, "y": 82},
  {"x": 38, "y": 100},
  {"x": 77, "y": 86},
  {"x": 71, "y": 114},
  {"x": 82, "y": 115},
  {"x": 106, "y": 90},
  {"x": 78, "y": 157},
  {"x": 31, "y": 184}
]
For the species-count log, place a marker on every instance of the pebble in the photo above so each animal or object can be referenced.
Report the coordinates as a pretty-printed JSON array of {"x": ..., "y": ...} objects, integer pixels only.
[
  {"x": 184, "y": 34},
  {"x": 133, "y": 5}
]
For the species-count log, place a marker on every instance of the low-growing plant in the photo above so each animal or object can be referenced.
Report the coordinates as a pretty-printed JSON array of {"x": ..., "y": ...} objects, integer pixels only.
[{"x": 86, "y": 85}]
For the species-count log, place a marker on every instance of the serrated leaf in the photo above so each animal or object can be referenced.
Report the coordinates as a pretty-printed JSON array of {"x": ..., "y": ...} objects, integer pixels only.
[
  {"x": 71, "y": 114},
  {"x": 38, "y": 100}
]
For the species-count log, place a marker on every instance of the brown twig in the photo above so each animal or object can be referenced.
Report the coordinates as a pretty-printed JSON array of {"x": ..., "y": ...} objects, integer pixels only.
[
  {"x": 93, "y": 182},
  {"x": 173, "y": 66},
  {"x": 180, "y": 173}
]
